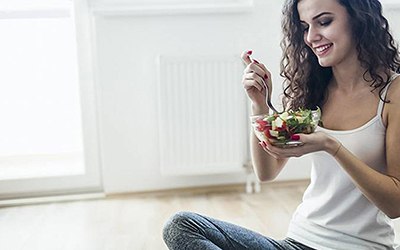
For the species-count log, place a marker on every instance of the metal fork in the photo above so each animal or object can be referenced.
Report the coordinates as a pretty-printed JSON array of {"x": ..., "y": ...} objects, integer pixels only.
[{"x": 268, "y": 101}]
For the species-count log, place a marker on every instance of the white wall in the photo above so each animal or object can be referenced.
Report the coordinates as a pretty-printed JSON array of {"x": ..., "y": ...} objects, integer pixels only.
[{"x": 129, "y": 37}]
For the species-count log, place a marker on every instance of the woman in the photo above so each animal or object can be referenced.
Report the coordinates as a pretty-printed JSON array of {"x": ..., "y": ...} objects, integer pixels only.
[{"x": 340, "y": 56}]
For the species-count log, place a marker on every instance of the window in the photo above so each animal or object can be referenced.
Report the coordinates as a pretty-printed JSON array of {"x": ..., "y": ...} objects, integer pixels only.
[{"x": 41, "y": 128}]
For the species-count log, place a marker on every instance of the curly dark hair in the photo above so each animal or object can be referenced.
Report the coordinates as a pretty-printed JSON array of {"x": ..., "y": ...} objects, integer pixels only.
[{"x": 306, "y": 82}]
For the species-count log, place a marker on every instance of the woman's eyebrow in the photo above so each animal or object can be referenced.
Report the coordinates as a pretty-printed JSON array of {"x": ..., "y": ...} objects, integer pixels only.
[
  {"x": 318, "y": 16},
  {"x": 321, "y": 14}
]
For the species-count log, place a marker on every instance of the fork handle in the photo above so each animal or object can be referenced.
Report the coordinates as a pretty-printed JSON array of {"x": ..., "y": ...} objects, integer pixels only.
[{"x": 268, "y": 99}]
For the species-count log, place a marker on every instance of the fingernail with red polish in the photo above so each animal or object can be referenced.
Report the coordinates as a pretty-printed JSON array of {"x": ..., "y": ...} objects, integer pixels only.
[
  {"x": 295, "y": 137},
  {"x": 249, "y": 52},
  {"x": 266, "y": 76}
]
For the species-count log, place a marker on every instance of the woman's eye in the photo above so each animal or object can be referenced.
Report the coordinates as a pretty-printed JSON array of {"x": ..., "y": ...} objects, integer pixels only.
[{"x": 325, "y": 22}]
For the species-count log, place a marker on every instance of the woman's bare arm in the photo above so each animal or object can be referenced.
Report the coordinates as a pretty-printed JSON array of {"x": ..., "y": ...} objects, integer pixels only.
[
  {"x": 257, "y": 82},
  {"x": 265, "y": 165}
]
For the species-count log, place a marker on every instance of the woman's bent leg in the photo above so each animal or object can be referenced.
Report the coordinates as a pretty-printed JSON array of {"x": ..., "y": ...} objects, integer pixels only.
[{"x": 186, "y": 230}]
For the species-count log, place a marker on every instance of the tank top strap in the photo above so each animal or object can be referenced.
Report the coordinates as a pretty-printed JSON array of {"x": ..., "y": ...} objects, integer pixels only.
[{"x": 384, "y": 94}]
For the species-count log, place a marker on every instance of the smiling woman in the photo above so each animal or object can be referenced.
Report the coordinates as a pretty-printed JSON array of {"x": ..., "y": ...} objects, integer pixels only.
[{"x": 340, "y": 56}]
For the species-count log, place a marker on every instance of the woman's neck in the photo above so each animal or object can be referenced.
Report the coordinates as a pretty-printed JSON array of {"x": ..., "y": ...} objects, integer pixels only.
[{"x": 349, "y": 77}]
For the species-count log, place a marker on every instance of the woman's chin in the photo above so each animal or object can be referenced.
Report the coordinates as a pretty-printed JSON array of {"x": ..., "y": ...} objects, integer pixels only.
[{"x": 324, "y": 63}]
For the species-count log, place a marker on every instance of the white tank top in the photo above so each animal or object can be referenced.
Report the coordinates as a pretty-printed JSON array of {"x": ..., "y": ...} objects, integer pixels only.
[{"x": 334, "y": 214}]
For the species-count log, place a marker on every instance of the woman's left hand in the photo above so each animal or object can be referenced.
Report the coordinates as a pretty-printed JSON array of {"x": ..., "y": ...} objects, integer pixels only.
[{"x": 314, "y": 142}]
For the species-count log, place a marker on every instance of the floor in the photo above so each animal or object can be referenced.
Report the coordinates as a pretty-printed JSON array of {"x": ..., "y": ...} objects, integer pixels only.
[{"x": 135, "y": 221}]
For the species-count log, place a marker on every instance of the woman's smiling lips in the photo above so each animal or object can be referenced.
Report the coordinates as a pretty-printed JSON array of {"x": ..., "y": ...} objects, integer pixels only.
[{"x": 323, "y": 49}]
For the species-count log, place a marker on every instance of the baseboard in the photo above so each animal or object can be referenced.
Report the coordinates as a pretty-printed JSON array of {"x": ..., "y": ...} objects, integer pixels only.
[
  {"x": 49, "y": 199},
  {"x": 239, "y": 187}
]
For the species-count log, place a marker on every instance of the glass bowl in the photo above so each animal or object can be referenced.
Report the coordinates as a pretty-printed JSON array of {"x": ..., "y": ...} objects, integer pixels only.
[{"x": 278, "y": 129}]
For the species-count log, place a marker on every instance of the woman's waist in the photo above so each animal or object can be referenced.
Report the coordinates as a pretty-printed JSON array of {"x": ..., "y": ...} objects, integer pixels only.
[{"x": 340, "y": 209}]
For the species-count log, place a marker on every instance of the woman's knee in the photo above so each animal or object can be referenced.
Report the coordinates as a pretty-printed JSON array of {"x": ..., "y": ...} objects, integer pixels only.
[{"x": 175, "y": 224}]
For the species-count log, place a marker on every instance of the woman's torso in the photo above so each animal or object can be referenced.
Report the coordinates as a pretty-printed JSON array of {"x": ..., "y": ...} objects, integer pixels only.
[{"x": 334, "y": 213}]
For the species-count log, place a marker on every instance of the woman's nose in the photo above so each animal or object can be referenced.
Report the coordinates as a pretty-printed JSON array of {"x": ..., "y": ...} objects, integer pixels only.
[{"x": 313, "y": 35}]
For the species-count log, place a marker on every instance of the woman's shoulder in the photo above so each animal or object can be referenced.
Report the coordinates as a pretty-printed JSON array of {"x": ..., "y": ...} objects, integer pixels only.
[
  {"x": 393, "y": 92},
  {"x": 393, "y": 98}
]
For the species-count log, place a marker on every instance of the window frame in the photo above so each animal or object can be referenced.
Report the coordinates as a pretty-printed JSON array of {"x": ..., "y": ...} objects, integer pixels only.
[{"x": 90, "y": 181}]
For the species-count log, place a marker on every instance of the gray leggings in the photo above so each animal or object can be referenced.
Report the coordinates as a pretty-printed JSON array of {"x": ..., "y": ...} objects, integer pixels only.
[{"x": 191, "y": 231}]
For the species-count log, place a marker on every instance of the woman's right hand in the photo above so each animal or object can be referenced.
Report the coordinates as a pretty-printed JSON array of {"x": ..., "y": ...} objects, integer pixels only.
[{"x": 256, "y": 81}]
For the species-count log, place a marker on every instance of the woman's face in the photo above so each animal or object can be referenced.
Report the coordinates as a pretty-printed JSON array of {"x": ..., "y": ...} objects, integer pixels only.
[{"x": 327, "y": 31}]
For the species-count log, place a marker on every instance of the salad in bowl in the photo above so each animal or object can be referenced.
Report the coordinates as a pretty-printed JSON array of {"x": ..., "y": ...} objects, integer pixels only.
[{"x": 279, "y": 128}]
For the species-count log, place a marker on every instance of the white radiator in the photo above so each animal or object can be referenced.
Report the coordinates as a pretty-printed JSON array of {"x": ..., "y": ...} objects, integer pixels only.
[{"x": 203, "y": 120}]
